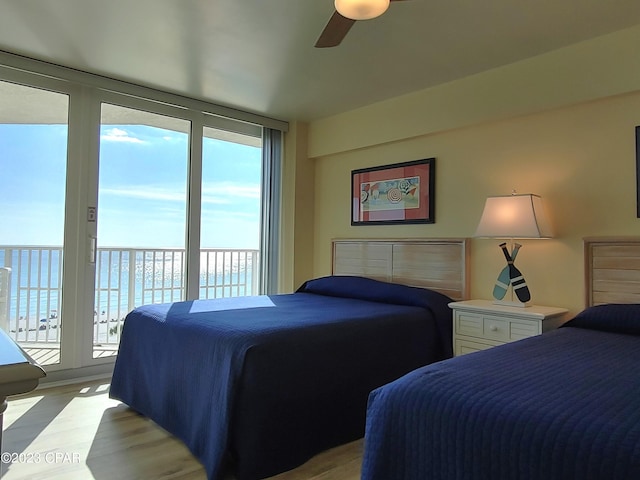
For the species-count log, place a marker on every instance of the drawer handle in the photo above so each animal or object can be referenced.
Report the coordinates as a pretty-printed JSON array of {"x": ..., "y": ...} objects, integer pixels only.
[{"x": 493, "y": 328}]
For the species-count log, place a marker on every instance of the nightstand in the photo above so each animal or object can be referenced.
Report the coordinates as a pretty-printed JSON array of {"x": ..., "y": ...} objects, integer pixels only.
[{"x": 481, "y": 324}]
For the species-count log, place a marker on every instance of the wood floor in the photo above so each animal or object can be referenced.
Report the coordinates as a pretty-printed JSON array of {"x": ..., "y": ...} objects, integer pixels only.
[
  {"x": 45, "y": 354},
  {"x": 78, "y": 432}
]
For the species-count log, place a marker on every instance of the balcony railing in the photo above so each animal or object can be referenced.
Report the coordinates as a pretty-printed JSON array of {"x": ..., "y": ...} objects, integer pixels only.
[{"x": 31, "y": 286}]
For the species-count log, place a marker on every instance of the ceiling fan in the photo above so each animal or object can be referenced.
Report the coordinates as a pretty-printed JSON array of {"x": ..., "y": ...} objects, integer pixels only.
[{"x": 346, "y": 14}]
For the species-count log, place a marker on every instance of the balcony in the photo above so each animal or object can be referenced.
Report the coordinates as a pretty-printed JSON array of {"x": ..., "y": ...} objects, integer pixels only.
[{"x": 31, "y": 290}]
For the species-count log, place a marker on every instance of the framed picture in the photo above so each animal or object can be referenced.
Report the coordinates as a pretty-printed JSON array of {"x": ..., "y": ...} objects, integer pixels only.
[{"x": 400, "y": 193}]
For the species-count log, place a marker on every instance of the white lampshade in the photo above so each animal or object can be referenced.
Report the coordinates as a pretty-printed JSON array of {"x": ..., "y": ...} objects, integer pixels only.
[
  {"x": 514, "y": 216},
  {"x": 361, "y": 9}
]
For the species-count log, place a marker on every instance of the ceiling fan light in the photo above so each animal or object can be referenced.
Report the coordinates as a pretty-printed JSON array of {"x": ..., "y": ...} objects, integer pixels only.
[{"x": 361, "y": 9}]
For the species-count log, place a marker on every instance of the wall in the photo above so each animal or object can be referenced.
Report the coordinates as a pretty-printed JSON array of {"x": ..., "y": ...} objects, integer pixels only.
[
  {"x": 297, "y": 241},
  {"x": 579, "y": 157},
  {"x": 597, "y": 68}
]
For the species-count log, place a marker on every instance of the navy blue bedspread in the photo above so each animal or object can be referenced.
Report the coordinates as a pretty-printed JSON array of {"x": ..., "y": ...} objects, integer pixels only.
[
  {"x": 564, "y": 405},
  {"x": 264, "y": 383}
]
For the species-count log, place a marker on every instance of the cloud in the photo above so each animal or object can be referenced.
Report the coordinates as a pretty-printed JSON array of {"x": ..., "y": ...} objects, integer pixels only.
[
  {"x": 119, "y": 135},
  {"x": 226, "y": 192},
  {"x": 222, "y": 193},
  {"x": 219, "y": 194},
  {"x": 146, "y": 192}
]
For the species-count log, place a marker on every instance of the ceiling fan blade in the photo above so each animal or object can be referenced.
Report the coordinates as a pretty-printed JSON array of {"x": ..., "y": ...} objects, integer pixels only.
[{"x": 335, "y": 31}]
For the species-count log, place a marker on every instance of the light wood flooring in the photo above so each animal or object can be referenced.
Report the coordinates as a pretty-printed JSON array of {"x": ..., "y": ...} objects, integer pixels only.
[
  {"x": 78, "y": 432},
  {"x": 44, "y": 354}
]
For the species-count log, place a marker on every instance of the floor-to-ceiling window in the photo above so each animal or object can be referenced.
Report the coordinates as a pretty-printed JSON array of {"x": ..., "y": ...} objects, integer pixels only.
[
  {"x": 33, "y": 159},
  {"x": 141, "y": 217},
  {"x": 230, "y": 214},
  {"x": 153, "y": 202}
]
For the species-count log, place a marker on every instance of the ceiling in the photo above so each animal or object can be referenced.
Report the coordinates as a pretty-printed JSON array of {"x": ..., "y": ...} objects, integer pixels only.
[{"x": 258, "y": 55}]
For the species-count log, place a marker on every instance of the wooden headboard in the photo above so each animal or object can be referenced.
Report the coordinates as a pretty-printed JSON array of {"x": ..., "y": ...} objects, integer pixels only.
[
  {"x": 440, "y": 264},
  {"x": 612, "y": 270}
]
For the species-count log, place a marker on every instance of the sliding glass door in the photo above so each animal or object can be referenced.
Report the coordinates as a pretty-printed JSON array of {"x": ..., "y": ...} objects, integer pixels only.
[
  {"x": 33, "y": 155},
  {"x": 230, "y": 214},
  {"x": 141, "y": 217}
]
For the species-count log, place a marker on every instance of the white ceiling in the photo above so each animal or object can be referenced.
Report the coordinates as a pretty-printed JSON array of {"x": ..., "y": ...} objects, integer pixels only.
[{"x": 258, "y": 55}]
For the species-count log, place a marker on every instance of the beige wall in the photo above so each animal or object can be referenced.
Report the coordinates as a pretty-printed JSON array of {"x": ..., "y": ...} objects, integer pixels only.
[
  {"x": 577, "y": 152},
  {"x": 297, "y": 240}
]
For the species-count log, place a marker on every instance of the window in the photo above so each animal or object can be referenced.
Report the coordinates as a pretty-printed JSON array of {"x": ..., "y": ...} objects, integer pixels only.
[{"x": 33, "y": 149}]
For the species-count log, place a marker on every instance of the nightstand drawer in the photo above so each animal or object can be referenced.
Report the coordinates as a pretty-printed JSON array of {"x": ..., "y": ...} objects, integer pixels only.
[
  {"x": 468, "y": 324},
  {"x": 520, "y": 330},
  {"x": 463, "y": 346},
  {"x": 495, "y": 328}
]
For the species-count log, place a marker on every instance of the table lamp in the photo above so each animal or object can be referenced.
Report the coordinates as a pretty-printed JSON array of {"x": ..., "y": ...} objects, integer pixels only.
[{"x": 512, "y": 217}]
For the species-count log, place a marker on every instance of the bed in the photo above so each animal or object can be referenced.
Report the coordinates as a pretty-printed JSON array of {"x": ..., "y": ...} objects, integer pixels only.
[
  {"x": 258, "y": 385},
  {"x": 563, "y": 405}
]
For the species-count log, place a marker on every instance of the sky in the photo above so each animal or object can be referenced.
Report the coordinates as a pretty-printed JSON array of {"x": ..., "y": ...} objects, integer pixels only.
[{"x": 142, "y": 196}]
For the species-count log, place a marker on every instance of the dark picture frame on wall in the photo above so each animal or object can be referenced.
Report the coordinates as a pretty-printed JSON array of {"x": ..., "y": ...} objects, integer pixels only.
[
  {"x": 638, "y": 171},
  {"x": 399, "y": 193}
]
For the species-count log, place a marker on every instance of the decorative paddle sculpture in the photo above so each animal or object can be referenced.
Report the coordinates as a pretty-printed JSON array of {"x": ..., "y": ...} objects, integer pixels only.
[
  {"x": 503, "y": 280},
  {"x": 516, "y": 279}
]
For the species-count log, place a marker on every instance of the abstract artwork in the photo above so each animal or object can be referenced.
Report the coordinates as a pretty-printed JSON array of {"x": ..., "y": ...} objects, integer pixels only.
[{"x": 390, "y": 194}]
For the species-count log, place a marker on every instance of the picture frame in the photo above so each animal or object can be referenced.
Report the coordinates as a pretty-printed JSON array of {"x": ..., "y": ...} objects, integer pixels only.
[
  {"x": 399, "y": 193},
  {"x": 638, "y": 171}
]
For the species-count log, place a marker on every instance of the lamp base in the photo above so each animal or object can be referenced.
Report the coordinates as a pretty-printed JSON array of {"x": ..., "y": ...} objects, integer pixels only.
[{"x": 511, "y": 303}]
